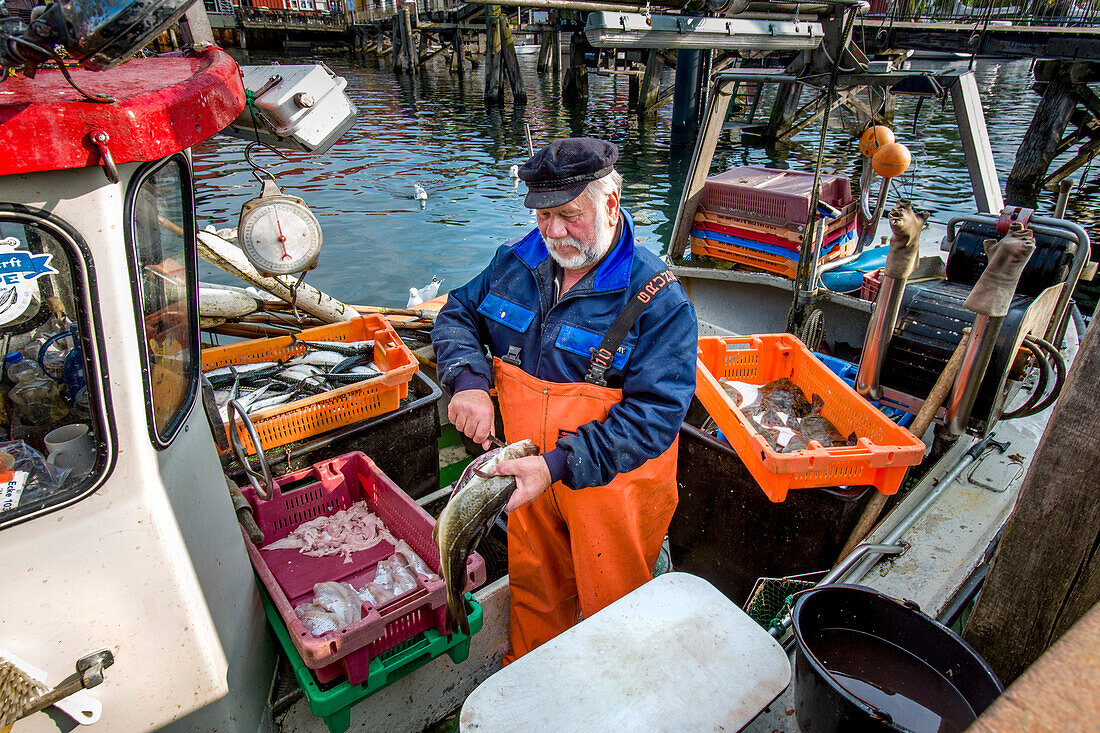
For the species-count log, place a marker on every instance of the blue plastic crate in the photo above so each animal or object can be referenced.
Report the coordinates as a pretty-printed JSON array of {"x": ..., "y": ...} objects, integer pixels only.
[{"x": 846, "y": 370}]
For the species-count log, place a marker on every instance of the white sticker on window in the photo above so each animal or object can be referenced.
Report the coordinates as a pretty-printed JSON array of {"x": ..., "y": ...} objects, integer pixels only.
[
  {"x": 10, "y": 491},
  {"x": 19, "y": 273}
]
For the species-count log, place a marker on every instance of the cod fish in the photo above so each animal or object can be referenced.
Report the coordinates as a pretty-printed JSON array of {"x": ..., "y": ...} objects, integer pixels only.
[{"x": 477, "y": 501}]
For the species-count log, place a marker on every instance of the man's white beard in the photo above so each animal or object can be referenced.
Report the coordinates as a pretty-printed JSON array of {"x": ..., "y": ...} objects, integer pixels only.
[{"x": 588, "y": 253}]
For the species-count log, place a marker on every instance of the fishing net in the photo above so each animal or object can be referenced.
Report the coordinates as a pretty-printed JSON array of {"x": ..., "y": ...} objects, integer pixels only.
[
  {"x": 17, "y": 690},
  {"x": 772, "y": 597}
]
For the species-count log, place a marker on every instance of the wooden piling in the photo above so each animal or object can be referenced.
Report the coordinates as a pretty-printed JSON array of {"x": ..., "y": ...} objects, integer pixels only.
[
  {"x": 544, "y": 52},
  {"x": 511, "y": 63},
  {"x": 575, "y": 85},
  {"x": 784, "y": 110},
  {"x": 494, "y": 87},
  {"x": 458, "y": 62},
  {"x": 650, "y": 90},
  {"x": 1040, "y": 144},
  {"x": 412, "y": 58},
  {"x": 555, "y": 42},
  {"x": 398, "y": 39},
  {"x": 1046, "y": 572}
]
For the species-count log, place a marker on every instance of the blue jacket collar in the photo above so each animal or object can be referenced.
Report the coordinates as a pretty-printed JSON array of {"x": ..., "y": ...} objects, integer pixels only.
[{"x": 613, "y": 273}]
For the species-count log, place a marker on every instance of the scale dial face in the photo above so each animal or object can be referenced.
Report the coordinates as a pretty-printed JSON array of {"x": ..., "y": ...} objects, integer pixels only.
[{"x": 279, "y": 235}]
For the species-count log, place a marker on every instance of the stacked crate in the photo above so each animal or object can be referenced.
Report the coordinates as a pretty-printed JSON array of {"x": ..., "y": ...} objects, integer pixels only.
[{"x": 755, "y": 217}]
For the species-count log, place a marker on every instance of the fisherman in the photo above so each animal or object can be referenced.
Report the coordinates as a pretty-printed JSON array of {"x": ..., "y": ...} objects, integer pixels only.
[{"x": 592, "y": 344}]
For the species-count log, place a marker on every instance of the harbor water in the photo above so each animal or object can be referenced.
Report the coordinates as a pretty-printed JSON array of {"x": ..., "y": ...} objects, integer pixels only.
[{"x": 435, "y": 130}]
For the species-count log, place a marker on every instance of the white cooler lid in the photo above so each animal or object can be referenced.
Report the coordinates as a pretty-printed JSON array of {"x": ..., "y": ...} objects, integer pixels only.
[{"x": 673, "y": 655}]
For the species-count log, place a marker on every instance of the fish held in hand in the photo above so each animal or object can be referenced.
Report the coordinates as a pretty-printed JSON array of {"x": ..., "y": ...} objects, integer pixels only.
[{"x": 478, "y": 499}]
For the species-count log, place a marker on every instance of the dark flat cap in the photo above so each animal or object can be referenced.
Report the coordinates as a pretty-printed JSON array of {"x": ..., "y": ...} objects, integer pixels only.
[{"x": 558, "y": 173}]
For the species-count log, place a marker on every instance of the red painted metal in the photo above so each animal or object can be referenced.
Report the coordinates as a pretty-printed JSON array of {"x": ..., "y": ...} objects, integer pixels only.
[{"x": 164, "y": 104}]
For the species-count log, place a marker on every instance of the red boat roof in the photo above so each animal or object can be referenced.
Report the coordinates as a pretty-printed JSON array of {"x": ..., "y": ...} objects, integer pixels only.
[{"x": 163, "y": 104}]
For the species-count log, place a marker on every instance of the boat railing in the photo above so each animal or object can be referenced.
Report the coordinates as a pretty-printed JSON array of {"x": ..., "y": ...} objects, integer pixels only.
[{"x": 1066, "y": 13}]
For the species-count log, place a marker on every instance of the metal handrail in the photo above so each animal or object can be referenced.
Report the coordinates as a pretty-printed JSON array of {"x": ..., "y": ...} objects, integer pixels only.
[{"x": 1050, "y": 227}]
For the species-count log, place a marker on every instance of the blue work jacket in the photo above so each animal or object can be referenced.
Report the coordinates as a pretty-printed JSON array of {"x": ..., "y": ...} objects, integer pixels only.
[{"x": 510, "y": 309}]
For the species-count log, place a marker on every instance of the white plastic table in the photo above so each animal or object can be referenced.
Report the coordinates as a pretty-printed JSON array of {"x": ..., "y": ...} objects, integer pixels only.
[{"x": 674, "y": 655}]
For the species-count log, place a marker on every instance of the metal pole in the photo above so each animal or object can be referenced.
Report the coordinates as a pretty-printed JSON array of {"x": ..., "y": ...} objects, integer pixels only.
[
  {"x": 868, "y": 235},
  {"x": 1064, "y": 187},
  {"x": 1050, "y": 227},
  {"x": 879, "y": 333},
  {"x": 779, "y": 629},
  {"x": 685, "y": 102},
  {"x": 918, "y": 511}
]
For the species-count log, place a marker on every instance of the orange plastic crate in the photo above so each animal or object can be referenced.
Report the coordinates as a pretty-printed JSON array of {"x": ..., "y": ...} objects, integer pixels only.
[
  {"x": 884, "y": 452},
  {"x": 333, "y": 409},
  {"x": 793, "y": 234},
  {"x": 775, "y": 264}
]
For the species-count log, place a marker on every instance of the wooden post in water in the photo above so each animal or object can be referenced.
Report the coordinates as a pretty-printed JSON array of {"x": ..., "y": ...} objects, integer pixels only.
[
  {"x": 784, "y": 109},
  {"x": 412, "y": 58},
  {"x": 422, "y": 48},
  {"x": 397, "y": 37},
  {"x": 1046, "y": 573},
  {"x": 458, "y": 61},
  {"x": 544, "y": 51},
  {"x": 555, "y": 42},
  {"x": 511, "y": 63},
  {"x": 494, "y": 86},
  {"x": 575, "y": 85},
  {"x": 1043, "y": 137},
  {"x": 650, "y": 90}
]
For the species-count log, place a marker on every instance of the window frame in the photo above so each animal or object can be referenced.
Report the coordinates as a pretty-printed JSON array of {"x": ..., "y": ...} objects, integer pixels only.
[
  {"x": 92, "y": 344},
  {"x": 191, "y": 268}
]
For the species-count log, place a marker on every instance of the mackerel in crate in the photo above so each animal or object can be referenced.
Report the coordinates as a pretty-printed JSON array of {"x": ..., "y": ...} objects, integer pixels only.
[{"x": 289, "y": 575}]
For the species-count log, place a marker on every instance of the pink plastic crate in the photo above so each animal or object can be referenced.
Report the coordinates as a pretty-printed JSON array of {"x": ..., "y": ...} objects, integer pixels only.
[
  {"x": 777, "y": 196},
  {"x": 289, "y": 576}
]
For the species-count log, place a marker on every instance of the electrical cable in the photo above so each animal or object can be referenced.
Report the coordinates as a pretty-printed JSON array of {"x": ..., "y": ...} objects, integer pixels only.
[{"x": 1040, "y": 388}]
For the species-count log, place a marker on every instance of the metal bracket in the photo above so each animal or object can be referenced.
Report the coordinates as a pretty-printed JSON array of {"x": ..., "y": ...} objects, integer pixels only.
[
  {"x": 1011, "y": 214},
  {"x": 99, "y": 138},
  {"x": 995, "y": 467}
]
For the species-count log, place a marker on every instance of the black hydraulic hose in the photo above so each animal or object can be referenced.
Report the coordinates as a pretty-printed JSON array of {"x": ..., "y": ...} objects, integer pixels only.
[
  {"x": 1040, "y": 388},
  {"x": 1078, "y": 321},
  {"x": 1060, "y": 371}
]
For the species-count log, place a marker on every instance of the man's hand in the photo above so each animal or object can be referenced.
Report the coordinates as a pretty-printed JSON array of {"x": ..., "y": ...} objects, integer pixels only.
[
  {"x": 532, "y": 478},
  {"x": 471, "y": 412}
]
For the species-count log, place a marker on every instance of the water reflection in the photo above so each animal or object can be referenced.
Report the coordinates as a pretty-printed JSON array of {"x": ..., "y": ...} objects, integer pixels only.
[{"x": 435, "y": 130}]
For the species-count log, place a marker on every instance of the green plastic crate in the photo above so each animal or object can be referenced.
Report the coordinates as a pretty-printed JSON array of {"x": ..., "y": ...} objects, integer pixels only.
[{"x": 333, "y": 705}]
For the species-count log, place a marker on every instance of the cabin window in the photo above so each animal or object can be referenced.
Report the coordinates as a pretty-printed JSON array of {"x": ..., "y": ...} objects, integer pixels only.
[
  {"x": 160, "y": 214},
  {"x": 55, "y": 443}
]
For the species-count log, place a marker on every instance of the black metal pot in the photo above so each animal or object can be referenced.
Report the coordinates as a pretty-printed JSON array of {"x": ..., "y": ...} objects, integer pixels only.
[{"x": 868, "y": 621}]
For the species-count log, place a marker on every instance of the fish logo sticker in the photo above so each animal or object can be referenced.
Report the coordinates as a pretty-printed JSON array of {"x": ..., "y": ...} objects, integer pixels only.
[{"x": 19, "y": 273}]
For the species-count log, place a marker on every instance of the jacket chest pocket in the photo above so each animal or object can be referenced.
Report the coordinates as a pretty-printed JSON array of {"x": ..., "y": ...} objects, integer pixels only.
[
  {"x": 583, "y": 342},
  {"x": 506, "y": 312}
]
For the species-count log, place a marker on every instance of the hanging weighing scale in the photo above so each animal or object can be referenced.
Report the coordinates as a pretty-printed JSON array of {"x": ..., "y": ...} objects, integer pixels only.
[{"x": 277, "y": 232}]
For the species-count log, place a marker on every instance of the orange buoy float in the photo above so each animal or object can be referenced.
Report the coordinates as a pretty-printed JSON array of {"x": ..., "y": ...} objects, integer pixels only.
[
  {"x": 874, "y": 138},
  {"x": 891, "y": 160}
]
